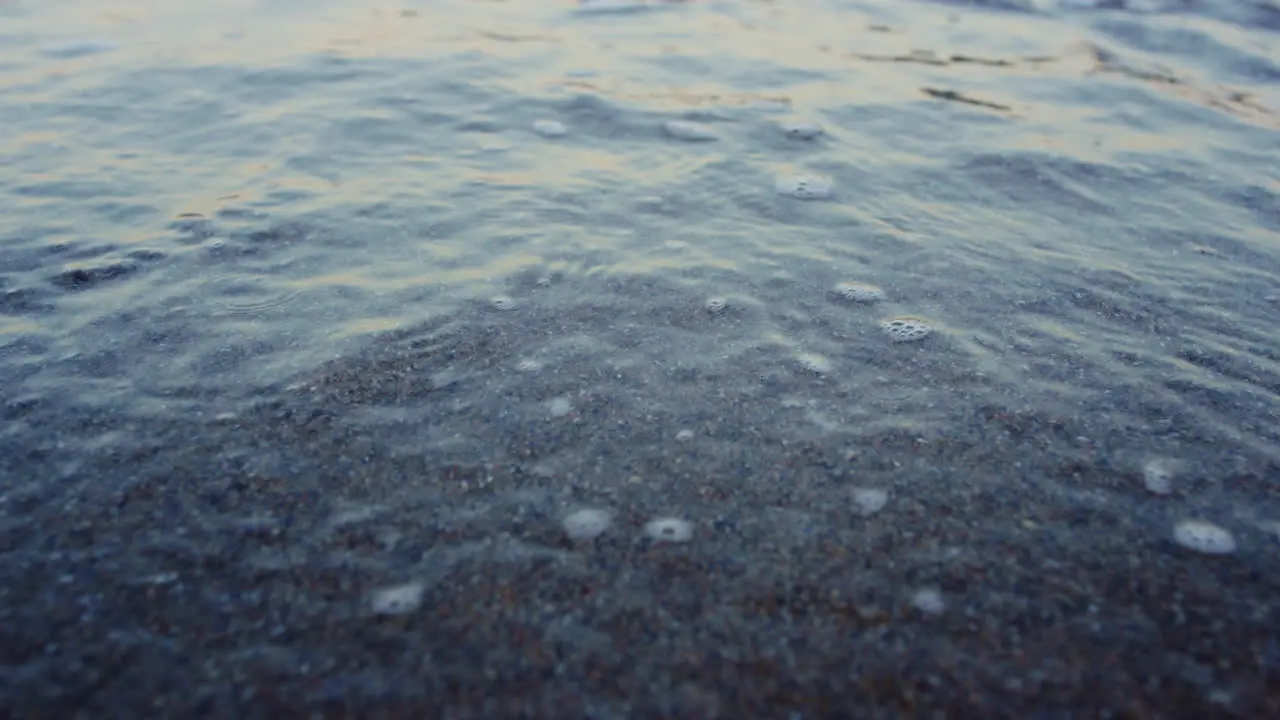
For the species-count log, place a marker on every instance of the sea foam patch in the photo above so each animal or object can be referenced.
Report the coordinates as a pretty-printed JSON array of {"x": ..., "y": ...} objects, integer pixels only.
[
  {"x": 906, "y": 329},
  {"x": 397, "y": 600},
  {"x": 1204, "y": 537},
  {"x": 688, "y": 130},
  {"x": 550, "y": 128},
  {"x": 586, "y": 524},
  {"x": 856, "y": 292}
]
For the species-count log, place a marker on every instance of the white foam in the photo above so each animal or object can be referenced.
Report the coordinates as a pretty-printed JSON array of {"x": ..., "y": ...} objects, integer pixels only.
[
  {"x": 929, "y": 601},
  {"x": 803, "y": 187},
  {"x": 687, "y": 130},
  {"x": 673, "y": 530},
  {"x": 587, "y": 524},
  {"x": 716, "y": 305},
  {"x": 869, "y": 501},
  {"x": 684, "y": 435},
  {"x": 1204, "y": 537},
  {"x": 906, "y": 329},
  {"x": 528, "y": 365},
  {"x": 398, "y": 600},
  {"x": 857, "y": 292},
  {"x": 559, "y": 407},
  {"x": 550, "y": 128},
  {"x": 814, "y": 363},
  {"x": 1157, "y": 477}
]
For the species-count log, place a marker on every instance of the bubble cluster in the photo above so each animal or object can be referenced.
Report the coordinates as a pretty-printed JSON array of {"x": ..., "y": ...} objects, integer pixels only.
[
  {"x": 398, "y": 600},
  {"x": 1204, "y": 537},
  {"x": 803, "y": 187},
  {"x": 687, "y": 130},
  {"x": 673, "y": 530},
  {"x": 550, "y": 128},
  {"x": 906, "y": 329},
  {"x": 856, "y": 292},
  {"x": 716, "y": 305},
  {"x": 586, "y": 524}
]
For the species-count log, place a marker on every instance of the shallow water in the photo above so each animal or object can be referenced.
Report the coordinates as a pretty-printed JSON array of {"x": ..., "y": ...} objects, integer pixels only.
[{"x": 304, "y": 301}]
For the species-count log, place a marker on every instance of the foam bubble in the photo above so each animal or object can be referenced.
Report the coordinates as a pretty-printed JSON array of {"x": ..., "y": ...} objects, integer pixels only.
[
  {"x": 803, "y": 187},
  {"x": 550, "y": 128},
  {"x": 1204, "y": 537},
  {"x": 686, "y": 130},
  {"x": 669, "y": 529},
  {"x": 856, "y": 292},
  {"x": 559, "y": 407},
  {"x": 814, "y": 363},
  {"x": 1157, "y": 477},
  {"x": 528, "y": 365},
  {"x": 716, "y": 305},
  {"x": 800, "y": 130},
  {"x": 398, "y": 600},
  {"x": 929, "y": 601},
  {"x": 504, "y": 303},
  {"x": 906, "y": 329},
  {"x": 684, "y": 435},
  {"x": 587, "y": 524},
  {"x": 869, "y": 501}
]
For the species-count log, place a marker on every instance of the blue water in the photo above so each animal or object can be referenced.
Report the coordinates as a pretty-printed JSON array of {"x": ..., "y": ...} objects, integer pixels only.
[{"x": 302, "y": 301}]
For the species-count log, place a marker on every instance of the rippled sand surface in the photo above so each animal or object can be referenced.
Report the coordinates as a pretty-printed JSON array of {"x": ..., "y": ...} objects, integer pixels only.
[{"x": 633, "y": 360}]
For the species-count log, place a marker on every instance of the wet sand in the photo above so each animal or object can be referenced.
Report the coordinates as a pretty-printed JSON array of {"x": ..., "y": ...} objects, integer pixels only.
[{"x": 225, "y": 566}]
